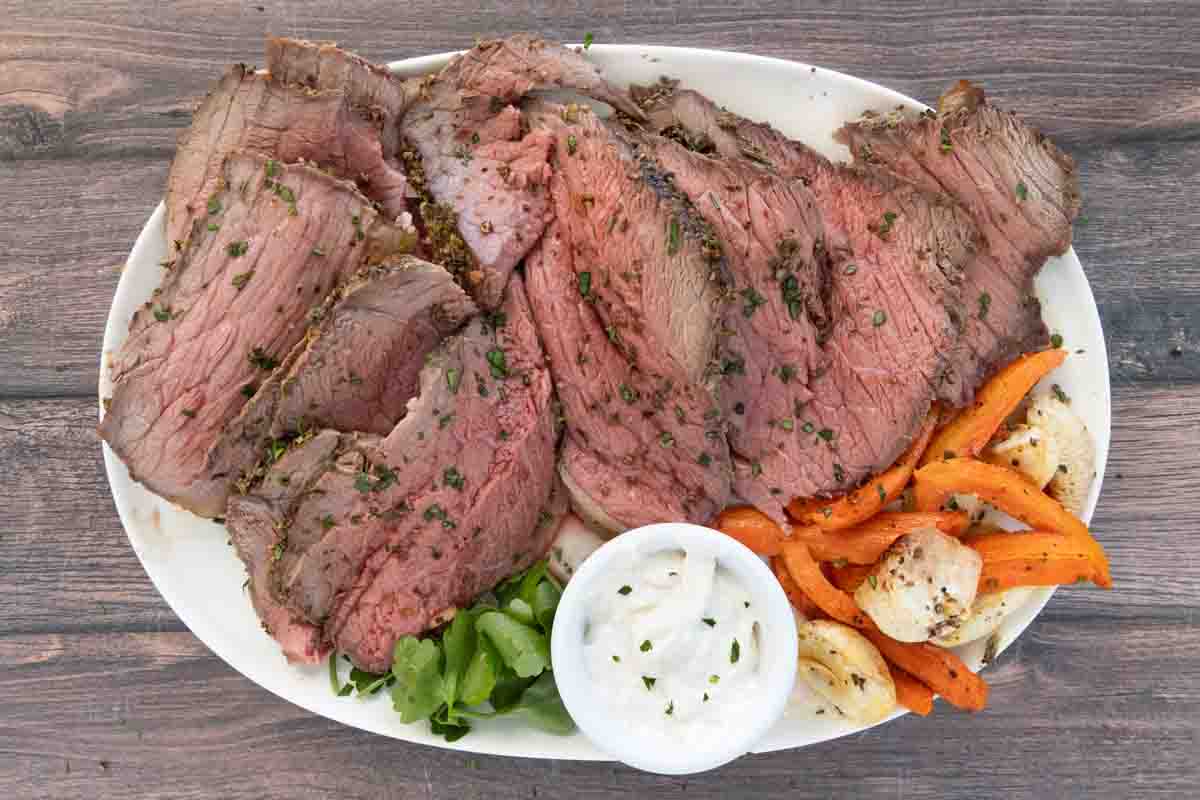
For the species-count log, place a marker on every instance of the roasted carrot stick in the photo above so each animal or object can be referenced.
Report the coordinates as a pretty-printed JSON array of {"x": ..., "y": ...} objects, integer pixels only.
[
  {"x": 866, "y": 542},
  {"x": 1034, "y": 558},
  {"x": 1012, "y": 493},
  {"x": 910, "y": 692},
  {"x": 937, "y": 668},
  {"x": 967, "y": 433},
  {"x": 752, "y": 528},
  {"x": 848, "y": 577},
  {"x": 866, "y": 501},
  {"x": 794, "y": 593},
  {"x": 806, "y": 572}
]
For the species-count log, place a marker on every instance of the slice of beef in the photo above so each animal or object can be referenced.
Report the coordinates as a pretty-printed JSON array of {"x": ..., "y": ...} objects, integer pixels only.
[
  {"x": 374, "y": 91},
  {"x": 896, "y": 256},
  {"x": 1021, "y": 190},
  {"x": 237, "y": 299},
  {"x": 482, "y": 175},
  {"x": 263, "y": 114},
  {"x": 357, "y": 367},
  {"x": 255, "y": 523},
  {"x": 402, "y": 528},
  {"x": 628, "y": 290},
  {"x": 774, "y": 243},
  {"x": 361, "y": 363}
]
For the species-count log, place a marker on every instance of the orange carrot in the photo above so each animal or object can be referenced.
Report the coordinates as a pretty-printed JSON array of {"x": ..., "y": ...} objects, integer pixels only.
[
  {"x": 967, "y": 433},
  {"x": 752, "y": 528},
  {"x": 910, "y": 692},
  {"x": 794, "y": 593},
  {"x": 866, "y": 542},
  {"x": 848, "y": 577},
  {"x": 1012, "y": 493},
  {"x": 866, "y": 501},
  {"x": 937, "y": 668},
  {"x": 1033, "y": 558},
  {"x": 807, "y": 574}
]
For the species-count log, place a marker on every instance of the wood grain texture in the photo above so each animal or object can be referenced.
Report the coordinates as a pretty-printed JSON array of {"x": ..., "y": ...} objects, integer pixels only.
[{"x": 106, "y": 695}]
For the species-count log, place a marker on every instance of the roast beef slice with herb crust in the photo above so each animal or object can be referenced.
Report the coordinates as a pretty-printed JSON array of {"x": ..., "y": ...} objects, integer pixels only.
[
  {"x": 774, "y": 244},
  {"x": 255, "y": 521},
  {"x": 1022, "y": 192},
  {"x": 374, "y": 91},
  {"x": 262, "y": 114},
  {"x": 483, "y": 176},
  {"x": 235, "y": 302},
  {"x": 896, "y": 255},
  {"x": 357, "y": 367},
  {"x": 628, "y": 290},
  {"x": 453, "y": 492}
]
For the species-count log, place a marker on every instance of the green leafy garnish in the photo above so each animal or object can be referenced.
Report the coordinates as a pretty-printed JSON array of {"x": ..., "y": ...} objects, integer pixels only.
[
  {"x": 524, "y": 650},
  {"x": 588, "y": 38},
  {"x": 417, "y": 666}
]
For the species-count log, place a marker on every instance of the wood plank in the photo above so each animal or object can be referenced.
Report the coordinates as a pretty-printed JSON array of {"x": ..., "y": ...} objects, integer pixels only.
[
  {"x": 172, "y": 721},
  {"x": 68, "y": 566}
]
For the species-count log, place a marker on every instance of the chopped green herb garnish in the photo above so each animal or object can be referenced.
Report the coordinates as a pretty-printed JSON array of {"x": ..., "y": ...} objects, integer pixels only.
[
  {"x": 646, "y": 646},
  {"x": 808, "y": 427},
  {"x": 453, "y": 478},
  {"x": 213, "y": 227},
  {"x": 871, "y": 579},
  {"x": 787, "y": 424},
  {"x": 261, "y": 360},
  {"x": 714, "y": 679},
  {"x": 453, "y": 378},
  {"x": 704, "y": 459},
  {"x": 188, "y": 412},
  {"x": 753, "y": 301},
  {"x": 885, "y": 227},
  {"x": 238, "y": 249},
  {"x": 214, "y": 205},
  {"x": 756, "y": 468},
  {"x": 735, "y": 652},
  {"x": 316, "y": 251},
  {"x": 1059, "y": 394},
  {"x": 498, "y": 362},
  {"x": 1056, "y": 341},
  {"x": 666, "y": 439},
  {"x": 878, "y": 318},
  {"x": 241, "y": 279},
  {"x": 709, "y": 621},
  {"x": 572, "y": 144},
  {"x": 670, "y": 708},
  {"x": 646, "y": 679},
  {"x": 985, "y": 302},
  {"x": 616, "y": 659},
  {"x": 585, "y": 283},
  {"x": 882, "y": 493},
  {"x": 673, "y": 237},
  {"x": 162, "y": 313},
  {"x": 327, "y": 521},
  {"x": 1022, "y": 191},
  {"x": 851, "y": 269},
  {"x": 825, "y": 434},
  {"x": 587, "y": 40},
  {"x": 626, "y": 589}
]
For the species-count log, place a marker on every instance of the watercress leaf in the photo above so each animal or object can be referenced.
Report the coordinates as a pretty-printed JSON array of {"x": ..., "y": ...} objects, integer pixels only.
[
  {"x": 480, "y": 678},
  {"x": 545, "y": 602},
  {"x": 520, "y": 610},
  {"x": 335, "y": 683},
  {"x": 417, "y": 666},
  {"x": 533, "y": 577},
  {"x": 459, "y": 643},
  {"x": 523, "y": 649},
  {"x": 541, "y": 706},
  {"x": 366, "y": 682},
  {"x": 451, "y": 726},
  {"x": 508, "y": 691}
]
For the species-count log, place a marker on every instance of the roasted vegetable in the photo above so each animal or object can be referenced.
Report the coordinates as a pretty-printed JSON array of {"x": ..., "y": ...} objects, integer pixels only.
[{"x": 842, "y": 666}]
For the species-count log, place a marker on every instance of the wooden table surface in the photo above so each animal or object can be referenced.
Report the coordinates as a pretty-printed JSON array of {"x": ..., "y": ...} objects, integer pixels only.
[{"x": 105, "y": 694}]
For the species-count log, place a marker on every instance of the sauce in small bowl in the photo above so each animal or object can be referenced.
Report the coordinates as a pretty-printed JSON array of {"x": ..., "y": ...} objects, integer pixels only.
[{"x": 674, "y": 648}]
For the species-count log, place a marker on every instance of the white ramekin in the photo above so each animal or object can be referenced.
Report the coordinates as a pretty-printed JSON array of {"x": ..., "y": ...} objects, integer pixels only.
[{"x": 605, "y": 725}]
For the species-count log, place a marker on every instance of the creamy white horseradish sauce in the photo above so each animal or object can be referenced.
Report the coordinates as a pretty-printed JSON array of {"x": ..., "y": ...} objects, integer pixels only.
[{"x": 672, "y": 642}]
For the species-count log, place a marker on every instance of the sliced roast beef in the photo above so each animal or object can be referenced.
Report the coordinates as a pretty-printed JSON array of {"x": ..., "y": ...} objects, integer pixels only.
[
  {"x": 628, "y": 290},
  {"x": 374, "y": 91},
  {"x": 482, "y": 175},
  {"x": 774, "y": 243},
  {"x": 276, "y": 239},
  {"x": 265, "y": 114},
  {"x": 255, "y": 523},
  {"x": 1021, "y": 190},
  {"x": 357, "y": 367},
  {"x": 398, "y": 530},
  {"x": 896, "y": 256}
]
